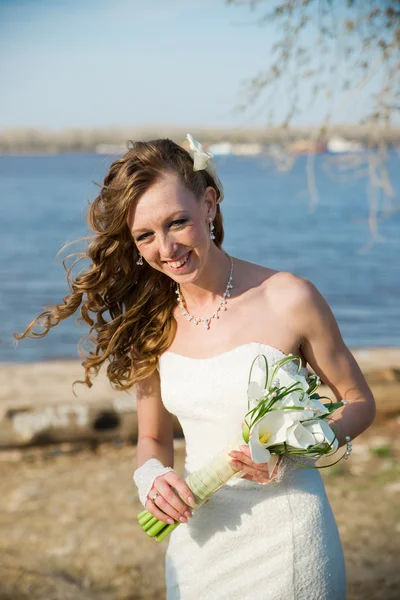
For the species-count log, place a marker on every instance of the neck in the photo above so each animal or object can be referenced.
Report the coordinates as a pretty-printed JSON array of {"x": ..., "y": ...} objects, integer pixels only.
[{"x": 211, "y": 285}]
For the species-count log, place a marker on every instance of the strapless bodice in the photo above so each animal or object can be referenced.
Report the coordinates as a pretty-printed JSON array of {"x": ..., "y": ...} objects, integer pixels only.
[{"x": 209, "y": 396}]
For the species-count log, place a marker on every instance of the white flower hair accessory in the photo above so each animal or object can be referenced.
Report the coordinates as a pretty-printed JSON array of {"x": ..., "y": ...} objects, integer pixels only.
[{"x": 203, "y": 160}]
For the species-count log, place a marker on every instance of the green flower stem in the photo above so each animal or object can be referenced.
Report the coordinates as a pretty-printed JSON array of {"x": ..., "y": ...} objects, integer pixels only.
[
  {"x": 150, "y": 523},
  {"x": 156, "y": 528},
  {"x": 165, "y": 532},
  {"x": 145, "y": 519}
]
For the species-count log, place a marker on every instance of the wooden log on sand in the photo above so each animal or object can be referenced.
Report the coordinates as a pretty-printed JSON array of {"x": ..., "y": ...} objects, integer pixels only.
[{"x": 38, "y": 406}]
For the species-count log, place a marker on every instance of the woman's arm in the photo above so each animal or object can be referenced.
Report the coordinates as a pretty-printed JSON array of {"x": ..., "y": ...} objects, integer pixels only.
[
  {"x": 325, "y": 351},
  {"x": 156, "y": 441},
  {"x": 155, "y": 437}
]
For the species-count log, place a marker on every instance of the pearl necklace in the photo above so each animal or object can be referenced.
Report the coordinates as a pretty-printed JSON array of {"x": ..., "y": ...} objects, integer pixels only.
[{"x": 221, "y": 305}]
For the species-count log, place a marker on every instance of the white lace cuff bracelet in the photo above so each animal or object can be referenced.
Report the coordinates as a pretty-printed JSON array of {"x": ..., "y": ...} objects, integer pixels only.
[{"x": 146, "y": 474}]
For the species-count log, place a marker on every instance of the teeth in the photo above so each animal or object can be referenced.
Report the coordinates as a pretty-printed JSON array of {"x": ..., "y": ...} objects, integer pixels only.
[{"x": 179, "y": 263}]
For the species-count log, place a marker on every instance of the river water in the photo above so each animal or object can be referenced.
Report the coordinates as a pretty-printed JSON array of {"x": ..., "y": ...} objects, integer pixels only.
[{"x": 267, "y": 219}]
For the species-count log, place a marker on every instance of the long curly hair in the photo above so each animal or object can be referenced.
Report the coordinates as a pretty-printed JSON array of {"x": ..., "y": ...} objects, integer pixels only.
[{"x": 129, "y": 308}]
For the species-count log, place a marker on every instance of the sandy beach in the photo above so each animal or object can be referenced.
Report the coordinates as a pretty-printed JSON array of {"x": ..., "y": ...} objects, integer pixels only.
[
  {"x": 67, "y": 518},
  {"x": 38, "y": 405}
]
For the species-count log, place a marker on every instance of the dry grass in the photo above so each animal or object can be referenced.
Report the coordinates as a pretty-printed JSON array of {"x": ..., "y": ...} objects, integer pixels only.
[{"x": 68, "y": 528}]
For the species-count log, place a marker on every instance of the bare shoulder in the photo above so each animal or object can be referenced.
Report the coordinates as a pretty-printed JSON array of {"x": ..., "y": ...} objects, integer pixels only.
[
  {"x": 291, "y": 290},
  {"x": 284, "y": 292},
  {"x": 299, "y": 303}
]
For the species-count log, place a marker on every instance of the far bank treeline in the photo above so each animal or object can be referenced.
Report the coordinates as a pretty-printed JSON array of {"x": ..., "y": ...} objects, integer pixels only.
[{"x": 35, "y": 141}]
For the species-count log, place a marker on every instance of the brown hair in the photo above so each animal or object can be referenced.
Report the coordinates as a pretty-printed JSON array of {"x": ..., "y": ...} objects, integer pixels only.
[{"x": 129, "y": 308}]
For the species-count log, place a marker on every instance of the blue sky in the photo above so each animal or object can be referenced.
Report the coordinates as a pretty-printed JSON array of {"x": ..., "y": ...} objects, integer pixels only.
[{"x": 99, "y": 63}]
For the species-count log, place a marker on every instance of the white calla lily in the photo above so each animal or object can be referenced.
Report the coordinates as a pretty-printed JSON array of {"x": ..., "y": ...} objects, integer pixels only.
[
  {"x": 315, "y": 432},
  {"x": 195, "y": 146},
  {"x": 255, "y": 391},
  {"x": 289, "y": 401},
  {"x": 297, "y": 436},
  {"x": 299, "y": 398},
  {"x": 287, "y": 379},
  {"x": 322, "y": 432},
  {"x": 269, "y": 430},
  {"x": 254, "y": 394},
  {"x": 317, "y": 407},
  {"x": 201, "y": 158}
]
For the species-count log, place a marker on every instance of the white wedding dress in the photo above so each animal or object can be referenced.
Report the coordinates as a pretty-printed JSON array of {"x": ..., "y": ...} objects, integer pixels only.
[{"x": 250, "y": 541}]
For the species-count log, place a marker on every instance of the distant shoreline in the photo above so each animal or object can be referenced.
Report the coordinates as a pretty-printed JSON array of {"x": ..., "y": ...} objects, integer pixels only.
[{"x": 31, "y": 141}]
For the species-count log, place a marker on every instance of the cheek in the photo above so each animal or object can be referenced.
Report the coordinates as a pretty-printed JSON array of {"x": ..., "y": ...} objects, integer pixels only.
[{"x": 193, "y": 235}]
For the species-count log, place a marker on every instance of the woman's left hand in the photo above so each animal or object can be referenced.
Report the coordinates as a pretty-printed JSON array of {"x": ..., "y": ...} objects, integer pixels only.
[{"x": 253, "y": 471}]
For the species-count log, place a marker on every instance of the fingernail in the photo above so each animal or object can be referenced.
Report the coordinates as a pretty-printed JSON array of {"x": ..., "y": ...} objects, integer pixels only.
[
  {"x": 170, "y": 521},
  {"x": 188, "y": 514},
  {"x": 232, "y": 453},
  {"x": 191, "y": 500},
  {"x": 183, "y": 520},
  {"x": 234, "y": 463}
]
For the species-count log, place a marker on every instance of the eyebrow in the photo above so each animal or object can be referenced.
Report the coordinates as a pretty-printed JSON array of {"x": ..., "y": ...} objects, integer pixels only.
[{"x": 168, "y": 219}]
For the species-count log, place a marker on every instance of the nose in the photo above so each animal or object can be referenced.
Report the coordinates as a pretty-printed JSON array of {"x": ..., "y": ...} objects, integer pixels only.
[{"x": 167, "y": 246}]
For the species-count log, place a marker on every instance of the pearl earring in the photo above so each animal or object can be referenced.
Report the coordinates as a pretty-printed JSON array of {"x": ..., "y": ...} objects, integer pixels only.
[
  {"x": 212, "y": 236},
  {"x": 140, "y": 261}
]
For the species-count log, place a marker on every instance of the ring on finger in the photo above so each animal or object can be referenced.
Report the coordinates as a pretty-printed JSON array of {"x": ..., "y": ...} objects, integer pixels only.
[{"x": 155, "y": 496}]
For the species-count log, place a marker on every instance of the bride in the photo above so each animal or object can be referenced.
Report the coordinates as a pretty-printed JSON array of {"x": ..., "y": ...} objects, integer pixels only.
[{"x": 171, "y": 312}]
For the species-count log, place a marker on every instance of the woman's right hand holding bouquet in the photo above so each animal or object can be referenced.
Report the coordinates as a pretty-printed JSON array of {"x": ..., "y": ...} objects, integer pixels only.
[{"x": 165, "y": 503}]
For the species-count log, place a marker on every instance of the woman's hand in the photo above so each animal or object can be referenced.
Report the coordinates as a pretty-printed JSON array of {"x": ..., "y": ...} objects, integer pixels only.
[
  {"x": 253, "y": 471},
  {"x": 168, "y": 506}
]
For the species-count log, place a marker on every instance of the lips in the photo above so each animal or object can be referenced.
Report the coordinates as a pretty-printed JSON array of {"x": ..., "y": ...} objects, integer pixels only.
[{"x": 178, "y": 264}]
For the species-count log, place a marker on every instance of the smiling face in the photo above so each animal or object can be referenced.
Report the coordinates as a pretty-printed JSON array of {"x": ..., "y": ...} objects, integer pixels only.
[{"x": 170, "y": 228}]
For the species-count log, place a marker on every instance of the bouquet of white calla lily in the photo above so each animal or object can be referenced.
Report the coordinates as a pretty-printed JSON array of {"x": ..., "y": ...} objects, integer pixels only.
[{"x": 285, "y": 417}]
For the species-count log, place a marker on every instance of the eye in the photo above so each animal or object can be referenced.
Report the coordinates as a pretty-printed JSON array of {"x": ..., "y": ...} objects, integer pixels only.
[
  {"x": 179, "y": 222},
  {"x": 142, "y": 237},
  {"x": 176, "y": 223}
]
